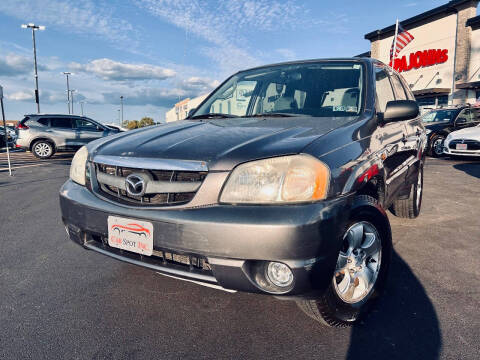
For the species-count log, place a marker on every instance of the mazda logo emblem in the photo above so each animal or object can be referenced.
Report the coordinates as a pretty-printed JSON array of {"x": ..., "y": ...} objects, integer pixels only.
[{"x": 135, "y": 185}]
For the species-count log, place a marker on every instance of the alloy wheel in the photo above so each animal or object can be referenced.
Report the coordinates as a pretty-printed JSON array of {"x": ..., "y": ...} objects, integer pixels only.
[
  {"x": 43, "y": 149},
  {"x": 438, "y": 146},
  {"x": 358, "y": 263}
]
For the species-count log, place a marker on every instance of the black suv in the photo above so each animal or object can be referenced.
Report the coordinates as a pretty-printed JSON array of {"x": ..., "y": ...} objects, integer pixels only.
[
  {"x": 276, "y": 184},
  {"x": 441, "y": 122}
]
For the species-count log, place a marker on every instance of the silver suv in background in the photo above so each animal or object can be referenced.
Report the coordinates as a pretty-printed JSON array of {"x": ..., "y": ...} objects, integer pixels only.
[{"x": 45, "y": 134}]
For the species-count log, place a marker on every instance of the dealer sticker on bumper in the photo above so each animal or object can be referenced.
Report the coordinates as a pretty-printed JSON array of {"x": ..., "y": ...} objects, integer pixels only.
[{"x": 131, "y": 235}]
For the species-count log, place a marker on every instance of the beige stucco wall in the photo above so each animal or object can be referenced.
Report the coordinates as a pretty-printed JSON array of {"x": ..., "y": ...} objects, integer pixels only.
[
  {"x": 438, "y": 34},
  {"x": 174, "y": 115}
]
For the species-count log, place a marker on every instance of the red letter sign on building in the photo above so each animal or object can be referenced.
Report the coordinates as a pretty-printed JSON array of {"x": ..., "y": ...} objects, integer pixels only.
[{"x": 421, "y": 59}]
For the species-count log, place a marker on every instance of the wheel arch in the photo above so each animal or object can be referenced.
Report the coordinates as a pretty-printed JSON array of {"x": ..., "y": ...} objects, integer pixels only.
[
  {"x": 366, "y": 206},
  {"x": 44, "y": 138}
]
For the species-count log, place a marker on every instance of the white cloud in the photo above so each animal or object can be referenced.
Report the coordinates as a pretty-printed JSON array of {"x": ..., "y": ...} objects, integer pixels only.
[
  {"x": 14, "y": 65},
  {"x": 226, "y": 25},
  {"x": 198, "y": 83},
  {"x": 20, "y": 96},
  {"x": 108, "y": 69},
  {"x": 78, "y": 16}
]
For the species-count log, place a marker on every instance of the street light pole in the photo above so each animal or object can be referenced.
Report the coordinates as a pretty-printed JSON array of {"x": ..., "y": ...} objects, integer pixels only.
[
  {"x": 121, "y": 104},
  {"x": 81, "y": 105},
  {"x": 34, "y": 28},
  {"x": 71, "y": 99},
  {"x": 66, "y": 73}
]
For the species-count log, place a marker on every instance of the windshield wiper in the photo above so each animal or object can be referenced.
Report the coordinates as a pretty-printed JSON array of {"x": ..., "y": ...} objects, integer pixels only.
[
  {"x": 213, "y": 116},
  {"x": 272, "y": 114}
]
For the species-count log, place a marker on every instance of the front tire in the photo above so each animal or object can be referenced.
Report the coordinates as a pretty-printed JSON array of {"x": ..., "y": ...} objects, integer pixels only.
[
  {"x": 436, "y": 146},
  {"x": 410, "y": 208},
  {"x": 360, "y": 273},
  {"x": 43, "y": 149}
]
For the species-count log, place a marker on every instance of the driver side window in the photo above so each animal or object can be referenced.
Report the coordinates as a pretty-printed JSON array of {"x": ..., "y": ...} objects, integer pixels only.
[
  {"x": 465, "y": 118},
  {"x": 383, "y": 88},
  {"x": 83, "y": 124}
]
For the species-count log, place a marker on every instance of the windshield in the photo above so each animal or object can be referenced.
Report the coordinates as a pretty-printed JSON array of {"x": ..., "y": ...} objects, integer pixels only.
[
  {"x": 439, "y": 115},
  {"x": 323, "y": 89}
]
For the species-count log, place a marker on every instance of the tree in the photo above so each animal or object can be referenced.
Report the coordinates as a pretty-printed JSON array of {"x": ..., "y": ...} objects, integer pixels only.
[
  {"x": 132, "y": 124},
  {"x": 146, "y": 121}
]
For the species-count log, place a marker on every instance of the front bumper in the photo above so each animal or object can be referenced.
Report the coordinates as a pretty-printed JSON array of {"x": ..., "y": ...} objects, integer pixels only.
[
  {"x": 234, "y": 240},
  {"x": 454, "y": 152}
]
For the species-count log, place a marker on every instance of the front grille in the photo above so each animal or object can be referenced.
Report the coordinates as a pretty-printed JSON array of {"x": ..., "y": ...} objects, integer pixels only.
[
  {"x": 158, "y": 198},
  {"x": 471, "y": 144}
]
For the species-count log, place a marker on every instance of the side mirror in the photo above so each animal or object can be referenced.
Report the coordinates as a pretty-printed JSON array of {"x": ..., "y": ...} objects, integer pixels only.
[
  {"x": 460, "y": 121},
  {"x": 400, "y": 110},
  {"x": 190, "y": 112}
]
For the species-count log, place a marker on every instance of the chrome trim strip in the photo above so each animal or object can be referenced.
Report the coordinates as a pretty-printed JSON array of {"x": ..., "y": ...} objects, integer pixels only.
[
  {"x": 185, "y": 274},
  {"x": 213, "y": 286},
  {"x": 151, "y": 164},
  {"x": 152, "y": 187}
]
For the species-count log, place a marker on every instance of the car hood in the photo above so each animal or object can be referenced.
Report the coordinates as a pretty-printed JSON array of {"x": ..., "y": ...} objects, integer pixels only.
[
  {"x": 221, "y": 143},
  {"x": 472, "y": 133}
]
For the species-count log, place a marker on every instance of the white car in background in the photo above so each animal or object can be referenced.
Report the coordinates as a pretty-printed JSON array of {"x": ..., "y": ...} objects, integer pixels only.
[{"x": 464, "y": 142}]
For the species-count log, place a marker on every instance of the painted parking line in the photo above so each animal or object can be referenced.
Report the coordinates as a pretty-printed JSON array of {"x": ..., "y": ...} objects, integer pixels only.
[{"x": 18, "y": 167}]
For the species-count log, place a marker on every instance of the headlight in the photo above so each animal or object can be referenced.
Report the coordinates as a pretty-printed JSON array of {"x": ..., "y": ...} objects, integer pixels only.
[
  {"x": 77, "y": 169},
  {"x": 428, "y": 131},
  {"x": 286, "y": 179}
]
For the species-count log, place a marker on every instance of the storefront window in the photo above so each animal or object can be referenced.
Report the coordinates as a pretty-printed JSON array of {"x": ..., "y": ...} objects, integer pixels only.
[{"x": 430, "y": 101}]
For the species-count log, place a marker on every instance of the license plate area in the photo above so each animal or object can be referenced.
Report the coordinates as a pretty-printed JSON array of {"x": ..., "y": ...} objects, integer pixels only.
[
  {"x": 131, "y": 235},
  {"x": 461, "y": 146}
]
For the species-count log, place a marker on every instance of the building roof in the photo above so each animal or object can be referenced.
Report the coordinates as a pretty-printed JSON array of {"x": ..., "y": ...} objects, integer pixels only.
[
  {"x": 474, "y": 22},
  {"x": 431, "y": 91},
  {"x": 365, "y": 54},
  {"x": 446, "y": 9},
  {"x": 469, "y": 85}
]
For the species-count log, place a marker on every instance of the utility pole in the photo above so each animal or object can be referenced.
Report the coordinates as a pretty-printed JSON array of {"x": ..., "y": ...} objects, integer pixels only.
[
  {"x": 81, "y": 105},
  {"x": 6, "y": 132},
  {"x": 71, "y": 98},
  {"x": 121, "y": 106},
  {"x": 66, "y": 73},
  {"x": 34, "y": 28}
]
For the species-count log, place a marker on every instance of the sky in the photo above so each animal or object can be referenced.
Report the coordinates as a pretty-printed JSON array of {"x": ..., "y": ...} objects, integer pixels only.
[{"x": 157, "y": 52}]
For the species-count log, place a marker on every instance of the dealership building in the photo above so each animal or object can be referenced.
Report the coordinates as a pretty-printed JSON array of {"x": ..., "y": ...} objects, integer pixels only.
[{"x": 442, "y": 63}]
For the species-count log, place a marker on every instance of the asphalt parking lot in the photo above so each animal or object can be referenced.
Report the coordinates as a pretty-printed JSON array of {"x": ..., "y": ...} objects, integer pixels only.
[{"x": 60, "y": 301}]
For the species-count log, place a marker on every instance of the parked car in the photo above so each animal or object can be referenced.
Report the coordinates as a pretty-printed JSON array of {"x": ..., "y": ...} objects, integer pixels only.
[
  {"x": 441, "y": 122},
  {"x": 2, "y": 138},
  {"x": 465, "y": 142},
  {"x": 45, "y": 134},
  {"x": 116, "y": 127},
  {"x": 10, "y": 138},
  {"x": 277, "y": 184}
]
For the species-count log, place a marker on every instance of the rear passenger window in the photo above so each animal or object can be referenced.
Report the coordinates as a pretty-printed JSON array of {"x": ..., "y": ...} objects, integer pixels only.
[
  {"x": 43, "y": 121},
  {"x": 384, "y": 89},
  {"x": 399, "y": 90},
  {"x": 61, "y": 123}
]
